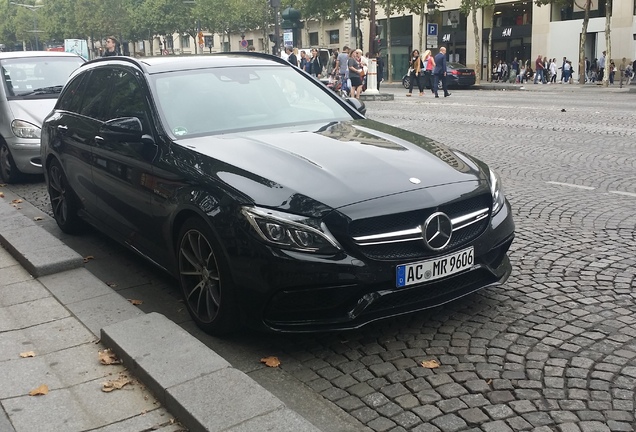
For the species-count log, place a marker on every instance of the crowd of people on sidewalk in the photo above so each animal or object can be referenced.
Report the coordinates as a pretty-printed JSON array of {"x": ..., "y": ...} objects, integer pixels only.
[
  {"x": 346, "y": 72},
  {"x": 549, "y": 71}
]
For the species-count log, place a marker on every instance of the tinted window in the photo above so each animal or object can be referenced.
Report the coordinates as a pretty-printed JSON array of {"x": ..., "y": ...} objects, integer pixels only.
[
  {"x": 71, "y": 98},
  {"x": 127, "y": 99},
  {"x": 96, "y": 94}
]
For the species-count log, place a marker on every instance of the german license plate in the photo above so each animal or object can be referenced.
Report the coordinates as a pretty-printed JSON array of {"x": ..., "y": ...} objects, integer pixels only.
[{"x": 429, "y": 270}]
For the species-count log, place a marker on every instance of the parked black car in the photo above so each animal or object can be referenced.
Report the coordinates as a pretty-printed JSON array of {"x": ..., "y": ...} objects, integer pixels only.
[
  {"x": 457, "y": 75},
  {"x": 273, "y": 201}
]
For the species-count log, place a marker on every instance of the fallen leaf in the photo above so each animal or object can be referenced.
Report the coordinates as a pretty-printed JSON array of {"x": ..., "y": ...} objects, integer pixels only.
[
  {"x": 16, "y": 201},
  {"x": 111, "y": 284},
  {"x": 136, "y": 302},
  {"x": 37, "y": 218},
  {"x": 1, "y": 195},
  {"x": 430, "y": 364},
  {"x": 27, "y": 354},
  {"x": 42, "y": 390},
  {"x": 489, "y": 382},
  {"x": 88, "y": 258},
  {"x": 108, "y": 357},
  {"x": 3, "y": 184},
  {"x": 271, "y": 361},
  {"x": 117, "y": 384}
]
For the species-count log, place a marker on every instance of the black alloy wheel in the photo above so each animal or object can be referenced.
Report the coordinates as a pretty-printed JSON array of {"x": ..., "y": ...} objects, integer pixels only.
[
  {"x": 204, "y": 279},
  {"x": 9, "y": 173},
  {"x": 64, "y": 202}
]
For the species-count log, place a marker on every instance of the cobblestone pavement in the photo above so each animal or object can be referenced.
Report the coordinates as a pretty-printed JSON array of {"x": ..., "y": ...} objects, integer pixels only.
[{"x": 552, "y": 350}]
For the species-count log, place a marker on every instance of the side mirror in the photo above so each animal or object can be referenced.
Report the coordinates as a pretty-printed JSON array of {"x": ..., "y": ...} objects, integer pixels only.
[
  {"x": 122, "y": 129},
  {"x": 357, "y": 104}
]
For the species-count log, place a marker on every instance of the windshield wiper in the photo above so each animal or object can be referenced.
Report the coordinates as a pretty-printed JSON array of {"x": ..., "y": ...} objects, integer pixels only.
[{"x": 44, "y": 90}]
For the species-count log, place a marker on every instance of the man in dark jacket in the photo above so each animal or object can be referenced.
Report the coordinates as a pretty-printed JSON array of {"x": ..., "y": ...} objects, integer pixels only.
[
  {"x": 439, "y": 73},
  {"x": 111, "y": 47}
]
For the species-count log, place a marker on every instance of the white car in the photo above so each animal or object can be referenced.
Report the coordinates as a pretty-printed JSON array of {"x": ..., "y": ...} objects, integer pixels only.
[{"x": 31, "y": 82}]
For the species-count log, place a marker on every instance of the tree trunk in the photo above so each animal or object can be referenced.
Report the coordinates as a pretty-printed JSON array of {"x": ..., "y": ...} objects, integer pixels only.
[
  {"x": 421, "y": 32},
  {"x": 477, "y": 45},
  {"x": 492, "y": 23},
  {"x": 389, "y": 63},
  {"x": 608, "y": 43},
  {"x": 586, "y": 19}
]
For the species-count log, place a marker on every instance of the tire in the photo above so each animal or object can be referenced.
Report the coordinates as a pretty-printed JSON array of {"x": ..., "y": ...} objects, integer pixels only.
[
  {"x": 406, "y": 82},
  {"x": 9, "y": 173},
  {"x": 204, "y": 279},
  {"x": 64, "y": 202}
]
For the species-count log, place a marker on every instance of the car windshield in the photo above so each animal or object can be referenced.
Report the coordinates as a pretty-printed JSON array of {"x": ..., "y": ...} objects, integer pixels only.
[
  {"x": 31, "y": 76},
  {"x": 229, "y": 99}
]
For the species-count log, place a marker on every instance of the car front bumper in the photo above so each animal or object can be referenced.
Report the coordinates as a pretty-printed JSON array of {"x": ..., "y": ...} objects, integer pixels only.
[
  {"x": 26, "y": 154},
  {"x": 292, "y": 292}
]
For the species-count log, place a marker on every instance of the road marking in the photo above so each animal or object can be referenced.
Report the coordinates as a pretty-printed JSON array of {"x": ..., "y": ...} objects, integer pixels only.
[
  {"x": 624, "y": 193},
  {"x": 571, "y": 185}
]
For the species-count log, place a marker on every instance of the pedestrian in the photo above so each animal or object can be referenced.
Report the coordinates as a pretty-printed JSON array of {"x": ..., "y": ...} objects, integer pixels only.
[
  {"x": 291, "y": 56},
  {"x": 601, "y": 67},
  {"x": 553, "y": 71},
  {"x": 439, "y": 73},
  {"x": 567, "y": 71},
  {"x": 538, "y": 68},
  {"x": 284, "y": 54},
  {"x": 612, "y": 71},
  {"x": 331, "y": 63},
  {"x": 355, "y": 73},
  {"x": 588, "y": 65},
  {"x": 416, "y": 67},
  {"x": 379, "y": 68},
  {"x": 343, "y": 68},
  {"x": 111, "y": 47},
  {"x": 429, "y": 65},
  {"x": 622, "y": 68},
  {"x": 316, "y": 66},
  {"x": 303, "y": 60},
  {"x": 514, "y": 70}
]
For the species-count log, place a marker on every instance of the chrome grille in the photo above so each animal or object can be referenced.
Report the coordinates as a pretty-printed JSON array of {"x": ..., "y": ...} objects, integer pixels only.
[{"x": 399, "y": 236}]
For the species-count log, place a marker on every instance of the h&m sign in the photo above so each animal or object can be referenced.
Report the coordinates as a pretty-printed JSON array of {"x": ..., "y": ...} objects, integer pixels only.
[
  {"x": 507, "y": 32},
  {"x": 446, "y": 37}
]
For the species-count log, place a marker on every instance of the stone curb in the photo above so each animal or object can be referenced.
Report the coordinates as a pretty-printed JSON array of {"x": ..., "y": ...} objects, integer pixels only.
[
  {"x": 191, "y": 381},
  {"x": 39, "y": 252}
]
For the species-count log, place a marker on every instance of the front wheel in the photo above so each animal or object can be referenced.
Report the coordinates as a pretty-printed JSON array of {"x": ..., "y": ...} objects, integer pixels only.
[
  {"x": 204, "y": 279},
  {"x": 64, "y": 202},
  {"x": 406, "y": 82},
  {"x": 9, "y": 173}
]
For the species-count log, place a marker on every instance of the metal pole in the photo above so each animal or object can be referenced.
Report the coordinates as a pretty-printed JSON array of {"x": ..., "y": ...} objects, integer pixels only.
[
  {"x": 276, "y": 31},
  {"x": 35, "y": 30}
]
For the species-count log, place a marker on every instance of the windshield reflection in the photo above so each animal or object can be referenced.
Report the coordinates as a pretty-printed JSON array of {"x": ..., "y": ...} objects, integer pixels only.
[{"x": 230, "y": 99}]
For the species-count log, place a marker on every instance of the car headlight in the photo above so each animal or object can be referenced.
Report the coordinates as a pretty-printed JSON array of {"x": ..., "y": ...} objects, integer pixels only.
[
  {"x": 289, "y": 231},
  {"x": 496, "y": 189},
  {"x": 23, "y": 129}
]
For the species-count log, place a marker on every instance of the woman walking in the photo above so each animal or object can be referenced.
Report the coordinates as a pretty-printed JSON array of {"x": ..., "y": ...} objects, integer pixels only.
[
  {"x": 416, "y": 67},
  {"x": 429, "y": 65}
]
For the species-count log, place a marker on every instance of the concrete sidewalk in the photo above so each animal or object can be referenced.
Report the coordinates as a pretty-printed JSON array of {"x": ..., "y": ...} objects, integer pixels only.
[{"x": 52, "y": 307}]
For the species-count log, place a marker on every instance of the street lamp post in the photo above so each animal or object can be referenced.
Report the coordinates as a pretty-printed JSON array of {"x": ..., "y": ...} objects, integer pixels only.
[
  {"x": 430, "y": 8},
  {"x": 32, "y": 8}
]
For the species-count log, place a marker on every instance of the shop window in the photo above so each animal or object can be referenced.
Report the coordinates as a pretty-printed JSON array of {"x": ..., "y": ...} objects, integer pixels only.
[
  {"x": 313, "y": 39},
  {"x": 513, "y": 14},
  {"x": 334, "y": 36},
  {"x": 573, "y": 10}
]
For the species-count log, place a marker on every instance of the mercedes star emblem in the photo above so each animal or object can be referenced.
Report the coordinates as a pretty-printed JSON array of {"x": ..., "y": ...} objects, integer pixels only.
[{"x": 437, "y": 231}]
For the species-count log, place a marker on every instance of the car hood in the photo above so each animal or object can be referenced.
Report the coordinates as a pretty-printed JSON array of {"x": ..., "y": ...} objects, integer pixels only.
[
  {"x": 31, "y": 110},
  {"x": 335, "y": 164}
]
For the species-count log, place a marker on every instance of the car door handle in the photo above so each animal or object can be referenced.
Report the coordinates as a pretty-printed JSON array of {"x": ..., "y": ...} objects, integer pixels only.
[
  {"x": 62, "y": 128},
  {"x": 99, "y": 139}
]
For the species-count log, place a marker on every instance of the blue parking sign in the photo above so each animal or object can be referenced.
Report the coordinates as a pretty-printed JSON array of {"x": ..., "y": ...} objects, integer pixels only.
[{"x": 431, "y": 29}]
